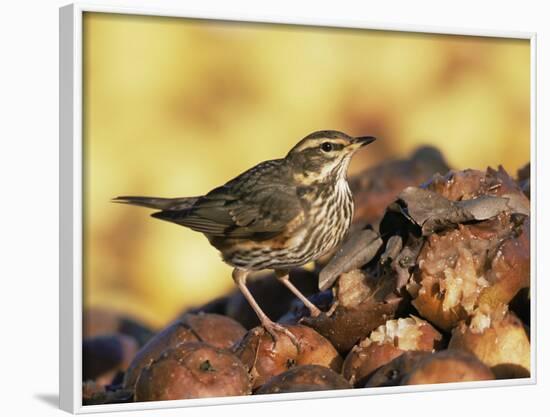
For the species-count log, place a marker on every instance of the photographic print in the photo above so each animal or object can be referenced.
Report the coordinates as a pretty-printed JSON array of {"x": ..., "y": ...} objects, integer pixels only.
[{"x": 273, "y": 208}]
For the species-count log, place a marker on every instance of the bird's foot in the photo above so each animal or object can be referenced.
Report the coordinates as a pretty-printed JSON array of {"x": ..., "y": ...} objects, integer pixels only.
[
  {"x": 313, "y": 310},
  {"x": 332, "y": 308},
  {"x": 274, "y": 329},
  {"x": 283, "y": 277}
]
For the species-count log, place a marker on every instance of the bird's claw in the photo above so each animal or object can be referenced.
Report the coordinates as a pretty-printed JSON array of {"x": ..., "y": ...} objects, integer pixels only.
[
  {"x": 314, "y": 311},
  {"x": 275, "y": 328}
]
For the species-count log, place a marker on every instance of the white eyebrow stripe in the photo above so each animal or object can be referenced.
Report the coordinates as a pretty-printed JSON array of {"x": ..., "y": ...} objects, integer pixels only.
[{"x": 314, "y": 143}]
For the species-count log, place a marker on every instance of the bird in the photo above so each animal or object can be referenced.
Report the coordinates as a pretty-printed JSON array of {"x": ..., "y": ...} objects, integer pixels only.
[{"x": 278, "y": 215}]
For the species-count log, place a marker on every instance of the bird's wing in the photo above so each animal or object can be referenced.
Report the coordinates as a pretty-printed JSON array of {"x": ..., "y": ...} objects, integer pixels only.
[{"x": 257, "y": 204}]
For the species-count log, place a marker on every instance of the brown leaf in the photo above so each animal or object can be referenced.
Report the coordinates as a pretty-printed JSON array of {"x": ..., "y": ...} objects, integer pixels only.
[{"x": 361, "y": 247}]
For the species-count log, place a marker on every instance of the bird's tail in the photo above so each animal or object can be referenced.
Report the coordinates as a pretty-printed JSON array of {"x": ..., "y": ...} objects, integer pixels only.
[{"x": 157, "y": 203}]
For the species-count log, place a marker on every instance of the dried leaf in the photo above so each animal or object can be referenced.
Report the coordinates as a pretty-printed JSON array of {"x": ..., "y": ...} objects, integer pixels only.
[
  {"x": 361, "y": 247},
  {"x": 393, "y": 248},
  {"x": 433, "y": 212},
  {"x": 405, "y": 261}
]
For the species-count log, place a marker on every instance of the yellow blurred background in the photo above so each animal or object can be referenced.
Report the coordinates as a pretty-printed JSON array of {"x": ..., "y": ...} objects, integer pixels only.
[{"x": 175, "y": 107}]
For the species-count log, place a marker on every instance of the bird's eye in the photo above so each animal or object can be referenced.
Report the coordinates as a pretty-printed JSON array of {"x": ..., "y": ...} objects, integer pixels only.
[{"x": 326, "y": 146}]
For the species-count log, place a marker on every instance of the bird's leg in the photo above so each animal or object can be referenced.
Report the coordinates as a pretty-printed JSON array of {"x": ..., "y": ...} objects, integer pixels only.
[
  {"x": 239, "y": 276},
  {"x": 283, "y": 277}
]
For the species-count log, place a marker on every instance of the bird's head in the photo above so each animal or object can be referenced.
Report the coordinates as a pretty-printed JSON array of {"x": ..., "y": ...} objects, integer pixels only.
[{"x": 324, "y": 155}]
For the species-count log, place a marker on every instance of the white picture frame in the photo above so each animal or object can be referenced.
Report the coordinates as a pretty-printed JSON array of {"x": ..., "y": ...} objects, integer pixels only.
[{"x": 70, "y": 288}]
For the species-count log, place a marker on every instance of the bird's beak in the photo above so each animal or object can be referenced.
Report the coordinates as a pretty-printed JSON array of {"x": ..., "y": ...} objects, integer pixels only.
[{"x": 362, "y": 141}]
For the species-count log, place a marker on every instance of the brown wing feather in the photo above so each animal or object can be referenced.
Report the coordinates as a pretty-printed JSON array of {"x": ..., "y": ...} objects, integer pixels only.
[
  {"x": 258, "y": 203},
  {"x": 157, "y": 202}
]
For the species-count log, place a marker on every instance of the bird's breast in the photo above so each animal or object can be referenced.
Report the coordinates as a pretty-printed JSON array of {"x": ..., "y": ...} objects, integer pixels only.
[
  {"x": 293, "y": 234},
  {"x": 317, "y": 229}
]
